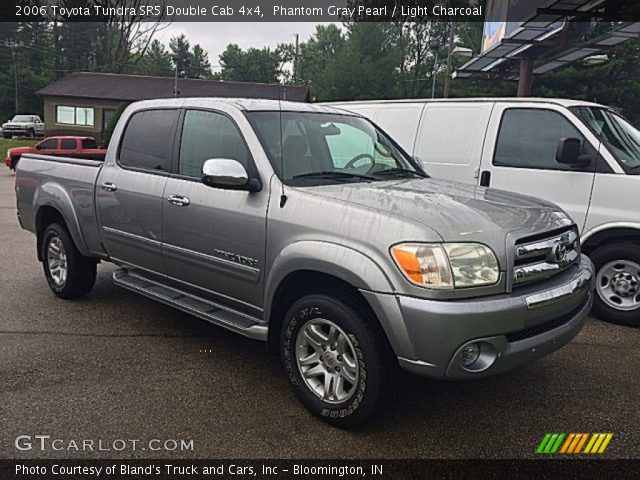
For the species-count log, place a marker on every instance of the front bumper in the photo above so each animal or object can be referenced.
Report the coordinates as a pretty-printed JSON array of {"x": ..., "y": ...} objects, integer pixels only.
[{"x": 514, "y": 329}]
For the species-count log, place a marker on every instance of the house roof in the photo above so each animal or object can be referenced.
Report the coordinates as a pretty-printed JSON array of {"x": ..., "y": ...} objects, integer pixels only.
[{"x": 110, "y": 86}]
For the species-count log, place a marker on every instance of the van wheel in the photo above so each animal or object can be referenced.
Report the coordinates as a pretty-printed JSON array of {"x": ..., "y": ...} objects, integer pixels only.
[
  {"x": 69, "y": 274},
  {"x": 618, "y": 284},
  {"x": 336, "y": 359}
]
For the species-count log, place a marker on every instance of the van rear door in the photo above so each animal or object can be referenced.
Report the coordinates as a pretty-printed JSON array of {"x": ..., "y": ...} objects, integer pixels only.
[
  {"x": 520, "y": 156},
  {"x": 450, "y": 138}
]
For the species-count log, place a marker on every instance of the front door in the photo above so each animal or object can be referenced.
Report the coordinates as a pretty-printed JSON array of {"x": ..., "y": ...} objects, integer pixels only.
[
  {"x": 214, "y": 239},
  {"x": 129, "y": 190},
  {"x": 520, "y": 156}
]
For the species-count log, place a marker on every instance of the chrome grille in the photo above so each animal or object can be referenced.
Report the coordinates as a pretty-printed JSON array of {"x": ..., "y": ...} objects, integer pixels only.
[{"x": 537, "y": 258}]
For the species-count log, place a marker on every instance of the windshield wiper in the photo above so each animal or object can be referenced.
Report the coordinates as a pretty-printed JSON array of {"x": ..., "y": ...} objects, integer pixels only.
[
  {"x": 335, "y": 174},
  {"x": 402, "y": 172}
]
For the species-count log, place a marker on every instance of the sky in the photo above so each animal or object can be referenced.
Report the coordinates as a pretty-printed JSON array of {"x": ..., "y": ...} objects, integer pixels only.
[{"x": 215, "y": 36}]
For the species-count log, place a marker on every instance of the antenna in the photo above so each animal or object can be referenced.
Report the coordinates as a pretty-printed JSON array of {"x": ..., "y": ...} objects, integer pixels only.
[{"x": 283, "y": 197}]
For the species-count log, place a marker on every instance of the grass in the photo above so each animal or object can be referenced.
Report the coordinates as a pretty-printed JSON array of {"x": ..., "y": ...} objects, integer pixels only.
[{"x": 7, "y": 144}]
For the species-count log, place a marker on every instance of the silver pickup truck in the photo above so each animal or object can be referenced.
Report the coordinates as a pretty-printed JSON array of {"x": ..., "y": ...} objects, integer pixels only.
[{"x": 310, "y": 229}]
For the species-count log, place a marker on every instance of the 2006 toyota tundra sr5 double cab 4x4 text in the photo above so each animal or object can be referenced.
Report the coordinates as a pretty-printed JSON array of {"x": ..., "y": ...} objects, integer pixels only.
[{"x": 309, "y": 228}]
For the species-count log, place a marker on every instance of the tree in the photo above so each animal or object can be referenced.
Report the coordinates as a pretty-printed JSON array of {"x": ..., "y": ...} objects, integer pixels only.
[
  {"x": 181, "y": 55},
  {"x": 157, "y": 61},
  {"x": 200, "y": 66},
  {"x": 254, "y": 65}
]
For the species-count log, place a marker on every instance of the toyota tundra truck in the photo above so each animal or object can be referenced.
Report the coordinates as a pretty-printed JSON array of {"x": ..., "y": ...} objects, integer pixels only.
[{"x": 309, "y": 228}]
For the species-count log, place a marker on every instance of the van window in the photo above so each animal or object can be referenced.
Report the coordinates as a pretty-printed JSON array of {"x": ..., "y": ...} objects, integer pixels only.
[
  {"x": 148, "y": 140},
  {"x": 451, "y": 134},
  {"x": 207, "y": 135},
  {"x": 529, "y": 138}
]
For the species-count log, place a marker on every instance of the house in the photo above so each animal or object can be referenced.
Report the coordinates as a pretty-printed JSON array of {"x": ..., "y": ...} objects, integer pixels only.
[{"x": 83, "y": 103}]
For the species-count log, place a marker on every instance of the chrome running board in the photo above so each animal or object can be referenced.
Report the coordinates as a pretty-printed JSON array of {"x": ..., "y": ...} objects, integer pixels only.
[{"x": 237, "y": 322}]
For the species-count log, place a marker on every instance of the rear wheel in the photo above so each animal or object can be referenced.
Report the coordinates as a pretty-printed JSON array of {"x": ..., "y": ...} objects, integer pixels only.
[
  {"x": 618, "y": 284},
  {"x": 69, "y": 274},
  {"x": 336, "y": 358}
]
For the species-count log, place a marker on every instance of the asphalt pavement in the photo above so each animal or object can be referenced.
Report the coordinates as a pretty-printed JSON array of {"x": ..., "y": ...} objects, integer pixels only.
[{"x": 117, "y": 366}]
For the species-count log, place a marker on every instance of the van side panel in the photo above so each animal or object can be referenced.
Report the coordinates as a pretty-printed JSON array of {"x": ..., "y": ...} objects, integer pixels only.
[
  {"x": 451, "y": 139},
  {"x": 401, "y": 121}
]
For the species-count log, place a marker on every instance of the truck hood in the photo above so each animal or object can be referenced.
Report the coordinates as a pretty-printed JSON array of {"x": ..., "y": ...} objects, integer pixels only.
[
  {"x": 19, "y": 151},
  {"x": 457, "y": 212}
]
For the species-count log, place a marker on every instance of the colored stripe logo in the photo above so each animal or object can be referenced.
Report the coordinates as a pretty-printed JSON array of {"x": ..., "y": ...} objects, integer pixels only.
[{"x": 572, "y": 443}]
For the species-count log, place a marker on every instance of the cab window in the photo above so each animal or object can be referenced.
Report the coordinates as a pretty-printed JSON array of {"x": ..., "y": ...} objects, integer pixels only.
[
  {"x": 529, "y": 138},
  {"x": 207, "y": 135}
]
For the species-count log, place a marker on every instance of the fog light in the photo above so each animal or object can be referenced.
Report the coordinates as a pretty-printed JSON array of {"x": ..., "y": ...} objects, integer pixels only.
[{"x": 469, "y": 354}]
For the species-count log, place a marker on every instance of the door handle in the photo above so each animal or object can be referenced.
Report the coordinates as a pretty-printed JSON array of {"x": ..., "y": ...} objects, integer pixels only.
[
  {"x": 485, "y": 179},
  {"x": 109, "y": 187},
  {"x": 178, "y": 200}
]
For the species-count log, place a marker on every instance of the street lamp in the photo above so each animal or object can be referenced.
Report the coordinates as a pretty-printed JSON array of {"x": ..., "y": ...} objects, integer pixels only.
[{"x": 434, "y": 45}]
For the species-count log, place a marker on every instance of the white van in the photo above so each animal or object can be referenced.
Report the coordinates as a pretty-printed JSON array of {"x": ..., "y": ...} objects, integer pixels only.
[{"x": 583, "y": 156}]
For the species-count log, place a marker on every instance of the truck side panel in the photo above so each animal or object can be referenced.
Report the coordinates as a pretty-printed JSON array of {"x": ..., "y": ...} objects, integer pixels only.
[{"x": 70, "y": 193}]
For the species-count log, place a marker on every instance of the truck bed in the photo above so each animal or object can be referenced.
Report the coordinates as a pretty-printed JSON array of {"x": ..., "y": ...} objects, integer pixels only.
[{"x": 66, "y": 185}]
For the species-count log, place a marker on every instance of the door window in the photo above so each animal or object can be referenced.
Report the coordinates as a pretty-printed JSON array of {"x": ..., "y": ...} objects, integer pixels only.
[
  {"x": 148, "y": 140},
  {"x": 529, "y": 138},
  {"x": 50, "y": 144},
  {"x": 68, "y": 144},
  {"x": 207, "y": 135}
]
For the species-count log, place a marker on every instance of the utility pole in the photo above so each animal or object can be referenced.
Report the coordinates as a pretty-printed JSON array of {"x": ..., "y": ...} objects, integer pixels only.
[
  {"x": 13, "y": 46},
  {"x": 452, "y": 37},
  {"x": 175, "y": 78},
  {"x": 434, "y": 45},
  {"x": 295, "y": 60}
]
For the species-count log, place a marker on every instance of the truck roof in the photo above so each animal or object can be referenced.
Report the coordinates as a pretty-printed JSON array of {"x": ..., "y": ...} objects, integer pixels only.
[
  {"x": 564, "y": 102},
  {"x": 246, "y": 104}
]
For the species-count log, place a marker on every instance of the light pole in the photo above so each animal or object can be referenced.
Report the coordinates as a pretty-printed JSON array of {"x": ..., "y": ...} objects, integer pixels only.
[{"x": 434, "y": 45}]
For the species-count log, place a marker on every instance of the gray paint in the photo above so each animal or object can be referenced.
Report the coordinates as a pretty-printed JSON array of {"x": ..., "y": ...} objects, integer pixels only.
[{"x": 341, "y": 230}]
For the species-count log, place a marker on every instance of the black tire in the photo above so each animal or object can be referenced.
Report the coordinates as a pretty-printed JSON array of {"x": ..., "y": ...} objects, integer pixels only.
[
  {"x": 7, "y": 136},
  {"x": 31, "y": 134},
  {"x": 604, "y": 256},
  {"x": 376, "y": 364},
  {"x": 80, "y": 270},
  {"x": 14, "y": 163}
]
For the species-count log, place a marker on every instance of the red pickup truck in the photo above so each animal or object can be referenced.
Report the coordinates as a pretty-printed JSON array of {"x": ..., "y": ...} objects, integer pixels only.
[{"x": 84, "y": 147}]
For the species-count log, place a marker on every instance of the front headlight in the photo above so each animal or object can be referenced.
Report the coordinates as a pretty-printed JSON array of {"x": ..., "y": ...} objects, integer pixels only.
[{"x": 447, "y": 265}]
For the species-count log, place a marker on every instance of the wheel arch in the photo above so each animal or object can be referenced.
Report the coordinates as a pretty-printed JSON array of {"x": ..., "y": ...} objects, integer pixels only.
[
  {"x": 47, "y": 214},
  {"x": 613, "y": 233},
  {"x": 317, "y": 267}
]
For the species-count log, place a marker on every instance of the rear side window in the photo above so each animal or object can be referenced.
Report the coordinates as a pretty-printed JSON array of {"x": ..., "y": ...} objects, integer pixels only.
[
  {"x": 148, "y": 140},
  {"x": 68, "y": 144},
  {"x": 207, "y": 135},
  {"x": 529, "y": 138},
  {"x": 89, "y": 143}
]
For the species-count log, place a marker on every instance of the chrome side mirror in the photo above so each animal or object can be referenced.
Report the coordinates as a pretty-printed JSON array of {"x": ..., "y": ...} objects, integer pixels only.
[{"x": 228, "y": 174}]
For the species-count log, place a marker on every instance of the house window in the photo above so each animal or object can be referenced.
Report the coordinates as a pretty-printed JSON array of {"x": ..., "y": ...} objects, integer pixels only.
[{"x": 74, "y": 116}]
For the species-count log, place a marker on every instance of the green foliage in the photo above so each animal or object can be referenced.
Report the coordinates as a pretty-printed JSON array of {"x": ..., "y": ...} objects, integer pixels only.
[
  {"x": 108, "y": 132},
  {"x": 253, "y": 65},
  {"x": 6, "y": 144}
]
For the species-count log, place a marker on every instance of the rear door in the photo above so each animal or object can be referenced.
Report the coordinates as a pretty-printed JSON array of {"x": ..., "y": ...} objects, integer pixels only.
[
  {"x": 520, "y": 156},
  {"x": 450, "y": 139},
  {"x": 129, "y": 190},
  {"x": 214, "y": 238}
]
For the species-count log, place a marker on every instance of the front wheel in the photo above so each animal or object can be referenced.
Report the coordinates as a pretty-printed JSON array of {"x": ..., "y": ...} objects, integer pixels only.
[
  {"x": 618, "y": 284},
  {"x": 69, "y": 274},
  {"x": 336, "y": 358}
]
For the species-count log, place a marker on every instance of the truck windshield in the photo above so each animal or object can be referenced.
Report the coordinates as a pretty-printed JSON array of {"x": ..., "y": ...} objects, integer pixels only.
[
  {"x": 320, "y": 148},
  {"x": 621, "y": 138},
  {"x": 22, "y": 119}
]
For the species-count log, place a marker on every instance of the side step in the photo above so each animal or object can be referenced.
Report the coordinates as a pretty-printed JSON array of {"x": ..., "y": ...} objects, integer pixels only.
[{"x": 237, "y": 322}]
